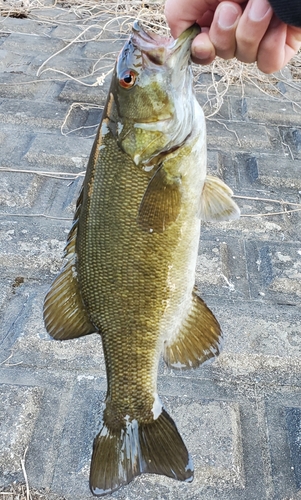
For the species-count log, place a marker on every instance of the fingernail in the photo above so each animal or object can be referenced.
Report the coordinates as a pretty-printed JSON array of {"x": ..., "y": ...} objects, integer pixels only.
[
  {"x": 201, "y": 50},
  {"x": 258, "y": 10},
  {"x": 227, "y": 16}
]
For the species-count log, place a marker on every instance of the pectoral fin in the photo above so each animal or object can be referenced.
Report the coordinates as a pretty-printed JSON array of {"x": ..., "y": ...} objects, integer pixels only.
[
  {"x": 198, "y": 339},
  {"x": 65, "y": 315},
  {"x": 160, "y": 204},
  {"x": 216, "y": 202}
]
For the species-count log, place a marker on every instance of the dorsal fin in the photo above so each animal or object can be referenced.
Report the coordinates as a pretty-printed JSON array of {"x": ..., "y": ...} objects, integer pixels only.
[{"x": 65, "y": 315}]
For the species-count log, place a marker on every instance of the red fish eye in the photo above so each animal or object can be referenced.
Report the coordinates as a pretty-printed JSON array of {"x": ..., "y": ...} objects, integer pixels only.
[{"x": 127, "y": 79}]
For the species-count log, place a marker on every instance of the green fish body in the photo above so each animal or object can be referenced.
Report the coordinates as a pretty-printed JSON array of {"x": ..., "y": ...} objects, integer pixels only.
[{"x": 131, "y": 255}]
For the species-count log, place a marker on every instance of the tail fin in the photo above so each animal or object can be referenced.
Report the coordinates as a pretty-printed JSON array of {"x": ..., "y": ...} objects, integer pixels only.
[{"x": 120, "y": 455}]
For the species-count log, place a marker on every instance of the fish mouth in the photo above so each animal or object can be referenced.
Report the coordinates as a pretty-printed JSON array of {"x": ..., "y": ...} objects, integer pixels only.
[{"x": 159, "y": 49}]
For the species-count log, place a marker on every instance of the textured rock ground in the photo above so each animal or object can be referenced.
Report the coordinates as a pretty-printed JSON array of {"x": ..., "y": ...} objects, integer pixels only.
[{"x": 240, "y": 416}]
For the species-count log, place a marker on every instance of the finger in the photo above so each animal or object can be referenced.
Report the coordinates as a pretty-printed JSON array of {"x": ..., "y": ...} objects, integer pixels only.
[
  {"x": 278, "y": 46},
  {"x": 202, "y": 49},
  {"x": 251, "y": 29},
  {"x": 293, "y": 43},
  {"x": 181, "y": 15},
  {"x": 223, "y": 29}
]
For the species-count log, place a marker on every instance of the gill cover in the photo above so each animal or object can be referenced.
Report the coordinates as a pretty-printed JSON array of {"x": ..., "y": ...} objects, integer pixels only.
[{"x": 152, "y": 89}]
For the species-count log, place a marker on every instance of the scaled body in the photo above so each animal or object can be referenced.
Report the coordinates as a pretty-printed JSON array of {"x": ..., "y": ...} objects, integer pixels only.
[{"x": 132, "y": 255}]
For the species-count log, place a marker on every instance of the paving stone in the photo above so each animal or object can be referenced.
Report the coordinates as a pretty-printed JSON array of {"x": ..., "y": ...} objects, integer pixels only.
[
  {"x": 83, "y": 120},
  {"x": 48, "y": 421},
  {"x": 28, "y": 250},
  {"x": 293, "y": 420},
  {"x": 22, "y": 195},
  {"x": 24, "y": 44},
  {"x": 32, "y": 27},
  {"x": 282, "y": 443},
  {"x": 50, "y": 13},
  {"x": 274, "y": 111},
  {"x": 271, "y": 173},
  {"x": 103, "y": 28},
  {"x": 60, "y": 67},
  {"x": 99, "y": 50},
  {"x": 237, "y": 419},
  {"x": 250, "y": 227},
  {"x": 209, "y": 104},
  {"x": 214, "y": 440},
  {"x": 4, "y": 294},
  {"x": 291, "y": 138},
  {"x": 221, "y": 268},
  {"x": 28, "y": 113},
  {"x": 61, "y": 153},
  {"x": 34, "y": 347},
  {"x": 214, "y": 163},
  {"x": 260, "y": 342},
  {"x": 238, "y": 136},
  {"x": 274, "y": 270},
  {"x": 76, "y": 92},
  {"x": 11, "y": 155},
  {"x": 81, "y": 427},
  {"x": 68, "y": 32},
  {"x": 14, "y": 63},
  {"x": 18, "y": 413},
  {"x": 25, "y": 87}
]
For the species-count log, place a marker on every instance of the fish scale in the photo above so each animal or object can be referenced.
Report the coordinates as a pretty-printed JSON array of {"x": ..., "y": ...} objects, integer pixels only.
[
  {"x": 115, "y": 298},
  {"x": 131, "y": 256}
]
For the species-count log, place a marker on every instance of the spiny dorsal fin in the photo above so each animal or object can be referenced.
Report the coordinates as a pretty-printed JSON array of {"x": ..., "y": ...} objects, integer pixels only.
[
  {"x": 160, "y": 204},
  {"x": 216, "y": 201},
  {"x": 64, "y": 312},
  {"x": 121, "y": 454},
  {"x": 198, "y": 339}
]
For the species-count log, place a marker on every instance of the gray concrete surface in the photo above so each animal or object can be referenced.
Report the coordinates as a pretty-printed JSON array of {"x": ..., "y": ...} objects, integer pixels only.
[{"x": 241, "y": 416}]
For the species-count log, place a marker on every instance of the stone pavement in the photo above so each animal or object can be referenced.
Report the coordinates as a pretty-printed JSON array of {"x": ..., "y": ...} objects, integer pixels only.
[{"x": 241, "y": 416}]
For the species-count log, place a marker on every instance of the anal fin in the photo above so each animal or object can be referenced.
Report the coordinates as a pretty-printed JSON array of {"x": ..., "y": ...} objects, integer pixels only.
[
  {"x": 198, "y": 339},
  {"x": 121, "y": 454}
]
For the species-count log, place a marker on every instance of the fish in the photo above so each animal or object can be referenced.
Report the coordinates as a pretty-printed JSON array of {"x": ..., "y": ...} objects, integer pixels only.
[{"x": 131, "y": 254}]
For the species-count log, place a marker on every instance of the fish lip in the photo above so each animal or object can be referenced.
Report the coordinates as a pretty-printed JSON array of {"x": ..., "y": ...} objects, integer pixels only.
[
  {"x": 158, "y": 48},
  {"x": 139, "y": 34}
]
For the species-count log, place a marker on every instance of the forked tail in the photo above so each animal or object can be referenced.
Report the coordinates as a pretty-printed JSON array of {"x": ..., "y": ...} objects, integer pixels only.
[{"x": 120, "y": 455}]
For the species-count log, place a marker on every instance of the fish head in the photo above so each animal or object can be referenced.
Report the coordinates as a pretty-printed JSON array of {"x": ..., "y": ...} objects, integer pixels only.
[{"x": 153, "y": 92}]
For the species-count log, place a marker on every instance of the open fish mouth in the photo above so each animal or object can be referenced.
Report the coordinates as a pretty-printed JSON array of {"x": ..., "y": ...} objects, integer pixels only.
[{"x": 159, "y": 49}]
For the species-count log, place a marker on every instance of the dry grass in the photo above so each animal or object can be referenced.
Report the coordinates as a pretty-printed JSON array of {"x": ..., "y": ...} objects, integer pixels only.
[
  {"x": 94, "y": 20},
  {"x": 18, "y": 491},
  {"x": 99, "y": 19},
  {"x": 21, "y": 492}
]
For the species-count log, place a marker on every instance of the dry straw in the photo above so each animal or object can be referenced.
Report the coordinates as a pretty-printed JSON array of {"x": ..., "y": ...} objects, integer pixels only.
[
  {"x": 93, "y": 20},
  {"x": 101, "y": 19}
]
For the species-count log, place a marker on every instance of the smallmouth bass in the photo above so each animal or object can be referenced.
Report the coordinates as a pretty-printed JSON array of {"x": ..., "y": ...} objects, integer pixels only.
[{"x": 132, "y": 251}]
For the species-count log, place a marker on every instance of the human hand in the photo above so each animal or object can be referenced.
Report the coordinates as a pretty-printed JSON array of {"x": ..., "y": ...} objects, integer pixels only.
[{"x": 248, "y": 30}]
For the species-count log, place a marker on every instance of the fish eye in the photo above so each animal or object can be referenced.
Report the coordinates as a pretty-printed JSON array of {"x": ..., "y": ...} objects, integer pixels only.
[{"x": 128, "y": 79}]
